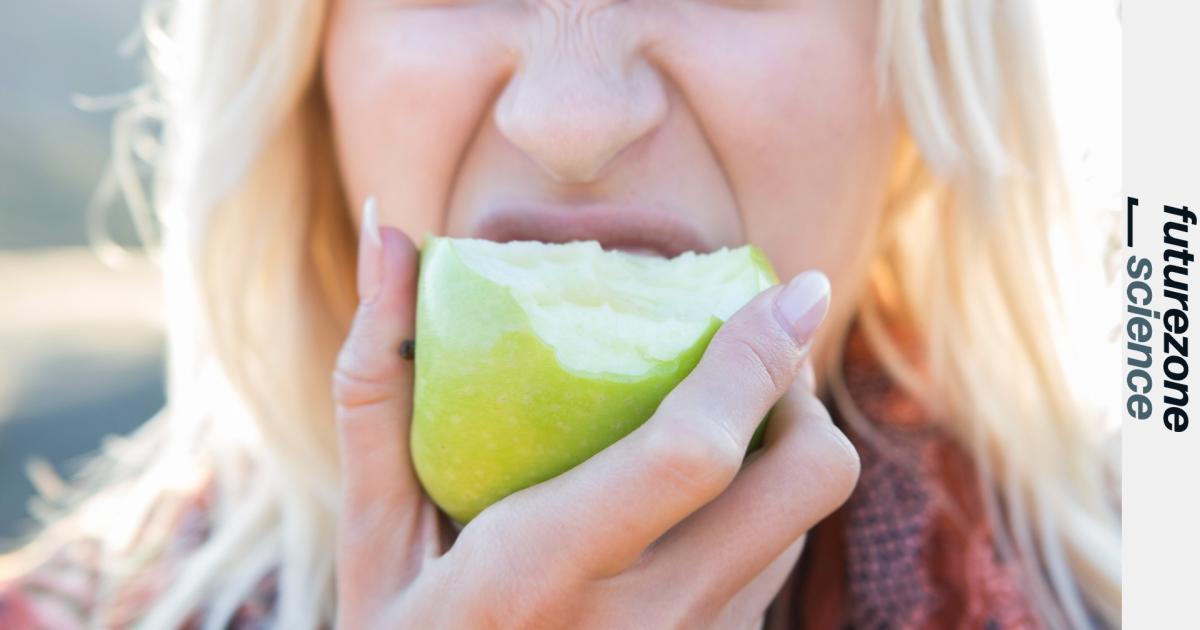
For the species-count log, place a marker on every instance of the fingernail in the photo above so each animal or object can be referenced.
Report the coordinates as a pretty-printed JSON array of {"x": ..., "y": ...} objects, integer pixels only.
[
  {"x": 802, "y": 304},
  {"x": 370, "y": 253}
]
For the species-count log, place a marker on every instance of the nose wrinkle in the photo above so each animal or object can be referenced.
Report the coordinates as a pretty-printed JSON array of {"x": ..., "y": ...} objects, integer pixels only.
[{"x": 581, "y": 94}]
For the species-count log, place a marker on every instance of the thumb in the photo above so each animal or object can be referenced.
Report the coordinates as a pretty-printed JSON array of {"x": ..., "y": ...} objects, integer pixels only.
[{"x": 372, "y": 384}]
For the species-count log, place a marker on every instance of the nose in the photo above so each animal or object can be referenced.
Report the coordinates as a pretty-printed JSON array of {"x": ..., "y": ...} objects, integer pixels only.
[{"x": 580, "y": 96}]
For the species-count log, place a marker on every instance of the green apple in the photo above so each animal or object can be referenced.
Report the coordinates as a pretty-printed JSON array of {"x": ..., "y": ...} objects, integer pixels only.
[{"x": 532, "y": 357}]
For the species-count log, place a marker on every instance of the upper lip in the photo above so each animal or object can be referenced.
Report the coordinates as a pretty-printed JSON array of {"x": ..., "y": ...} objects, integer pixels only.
[{"x": 614, "y": 226}]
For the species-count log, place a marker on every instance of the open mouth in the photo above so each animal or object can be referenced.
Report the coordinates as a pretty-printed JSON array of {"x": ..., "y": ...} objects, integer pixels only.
[{"x": 646, "y": 231}]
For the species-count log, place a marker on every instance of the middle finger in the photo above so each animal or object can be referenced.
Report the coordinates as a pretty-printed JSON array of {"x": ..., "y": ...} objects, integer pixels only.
[{"x": 806, "y": 470}]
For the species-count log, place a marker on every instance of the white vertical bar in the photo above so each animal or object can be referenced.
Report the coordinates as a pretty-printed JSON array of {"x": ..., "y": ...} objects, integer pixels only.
[{"x": 1161, "y": 164}]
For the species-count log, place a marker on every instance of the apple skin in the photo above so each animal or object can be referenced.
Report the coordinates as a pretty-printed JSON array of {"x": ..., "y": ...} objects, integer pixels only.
[{"x": 493, "y": 410}]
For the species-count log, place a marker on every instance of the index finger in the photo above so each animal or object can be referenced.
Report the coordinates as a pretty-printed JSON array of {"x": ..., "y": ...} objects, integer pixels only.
[{"x": 617, "y": 503}]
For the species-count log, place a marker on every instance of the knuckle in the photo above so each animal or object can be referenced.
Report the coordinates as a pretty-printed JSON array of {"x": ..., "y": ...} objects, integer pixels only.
[
  {"x": 365, "y": 372},
  {"x": 697, "y": 458},
  {"x": 353, "y": 387},
  {"x": 842, "y": 464},
  {"x": 353, "y": 391},
  {"x": 770, "y": 365},
  {"x": 822, "y": 445},
  {"x": 849, "y": 464}
]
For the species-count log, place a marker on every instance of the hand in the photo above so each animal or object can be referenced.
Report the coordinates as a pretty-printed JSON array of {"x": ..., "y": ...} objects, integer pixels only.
[{"x": 658, "y": 530}]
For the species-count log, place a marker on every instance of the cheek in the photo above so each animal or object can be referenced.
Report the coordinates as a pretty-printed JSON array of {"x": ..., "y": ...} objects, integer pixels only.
[
  {"x": 792, "y": 112},
  {"x": 406, "y": 89}
]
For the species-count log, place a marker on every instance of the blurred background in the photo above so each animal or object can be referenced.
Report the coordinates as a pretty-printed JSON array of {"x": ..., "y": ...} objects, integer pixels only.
[{"x": 81, "y": 342}]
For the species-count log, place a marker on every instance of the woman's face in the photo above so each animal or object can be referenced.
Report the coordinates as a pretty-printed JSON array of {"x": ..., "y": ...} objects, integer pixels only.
[{"x": 650, "y": 125}]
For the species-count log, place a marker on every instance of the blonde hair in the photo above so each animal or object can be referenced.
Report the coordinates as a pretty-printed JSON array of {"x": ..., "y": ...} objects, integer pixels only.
[{"x": 257, "y": 252}]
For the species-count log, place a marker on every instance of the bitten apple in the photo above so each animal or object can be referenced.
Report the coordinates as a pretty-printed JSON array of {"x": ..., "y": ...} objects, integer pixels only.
[{"x": 532, "y": 357}]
